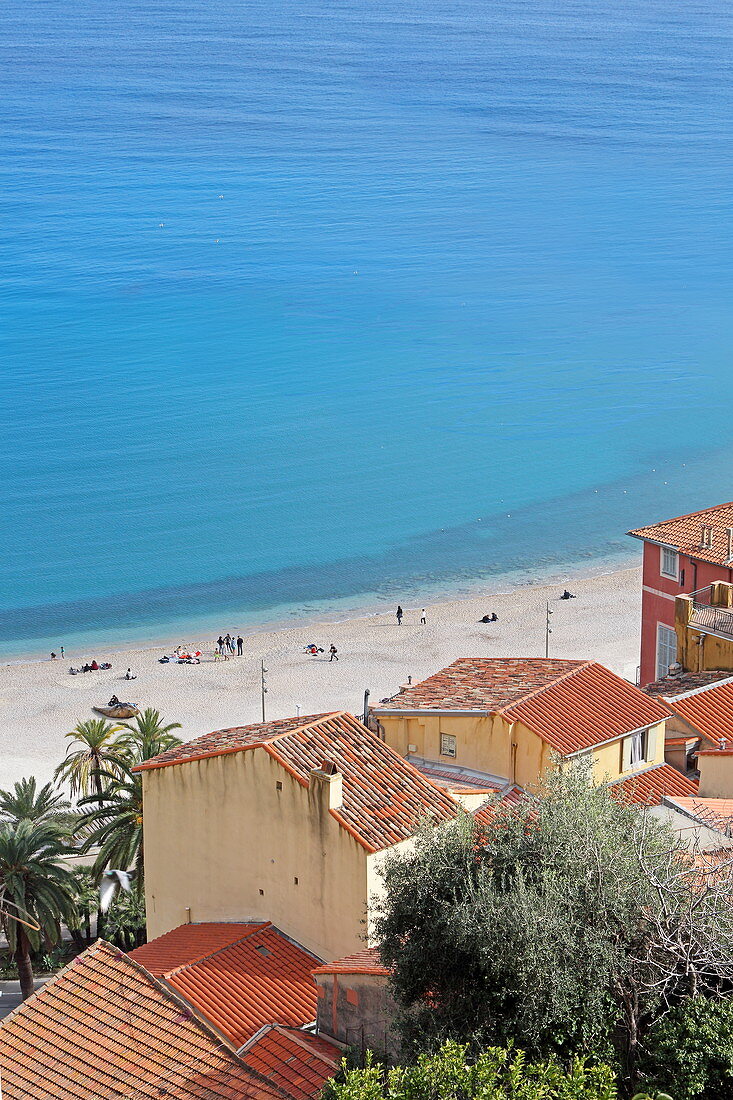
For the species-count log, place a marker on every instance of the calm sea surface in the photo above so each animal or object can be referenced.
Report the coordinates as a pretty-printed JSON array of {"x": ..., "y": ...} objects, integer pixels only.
[{"x": 315, "y": 306}]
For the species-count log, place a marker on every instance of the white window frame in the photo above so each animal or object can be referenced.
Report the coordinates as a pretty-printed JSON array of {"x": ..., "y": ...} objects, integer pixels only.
[
  {"x": 448, "y": 745},
  {"x": 674, "y": 572},
  {"x": 638, "y": 748},
  {"x": 661, "y": 668}
]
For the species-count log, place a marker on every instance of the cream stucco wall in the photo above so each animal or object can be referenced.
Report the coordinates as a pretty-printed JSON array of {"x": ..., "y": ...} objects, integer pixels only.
[
  {"x": 716, "y": 774},
  {"x": 491, "y": 744},
  {"x": 222, "y": 840}
]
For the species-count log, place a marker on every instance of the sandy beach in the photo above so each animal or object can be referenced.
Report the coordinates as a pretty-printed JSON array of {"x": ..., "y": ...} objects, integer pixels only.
[{"x": 40, "y": 701}]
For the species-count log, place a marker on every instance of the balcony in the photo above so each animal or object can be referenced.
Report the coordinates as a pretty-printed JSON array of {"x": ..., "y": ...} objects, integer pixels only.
[{"x": 708, "y": 617}]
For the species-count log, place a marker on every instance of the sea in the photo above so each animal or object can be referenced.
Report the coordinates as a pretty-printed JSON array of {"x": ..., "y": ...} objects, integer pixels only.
[{"x": 307, "y": 308}]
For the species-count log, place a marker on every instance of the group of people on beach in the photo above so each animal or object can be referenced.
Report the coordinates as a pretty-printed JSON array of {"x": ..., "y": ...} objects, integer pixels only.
[{"x": 228, "y": 645}]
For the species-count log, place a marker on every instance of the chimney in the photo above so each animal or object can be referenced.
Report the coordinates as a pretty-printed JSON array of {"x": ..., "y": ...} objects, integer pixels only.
[
  {"x": 327, "y": 783},
  {"x": 729, "y": 533}
]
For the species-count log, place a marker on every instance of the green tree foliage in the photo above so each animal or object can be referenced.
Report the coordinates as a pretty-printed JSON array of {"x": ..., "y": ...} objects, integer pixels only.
[
  {"x": 493, "y": 1074},
  {"x": 28, "y": 802},
  {"x": 125, "y": 924},
  {"x": 147, "y": 736},
  {"x": 692, "y": 1046},
  {"x": 37, "y": 892},
  {"x": 95, "y": 751},
  {"x": 565, "y": 925}
]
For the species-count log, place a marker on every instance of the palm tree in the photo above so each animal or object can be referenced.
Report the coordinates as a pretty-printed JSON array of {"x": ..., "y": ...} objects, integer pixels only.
[
  {"x": 26, "y": 803},
  {"x": 35, "y": 885},
  {"x": 116, "y": 825},
  {"x": 98, "y": 751},
  {"x": 148, "y": 736}
]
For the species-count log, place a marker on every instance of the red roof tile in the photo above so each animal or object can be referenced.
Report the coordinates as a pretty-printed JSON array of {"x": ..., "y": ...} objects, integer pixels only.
[
  {"x": 684, "y": 533},
  {"x": 295, "y": 1061},
  {"x": 716, "y": 813},
  {"x": 362, "y": 962},
  {"x": 709, "y": 710},
  {"x": 384, "y": 797},
  {"x": 670, "y": 686},
  {"x": 587, "y": 707},
  {"x": 258, "y": 977},
  {"x": 650, "y": 786},
  {"x": 486, "y": 684},
  {"x": 105, "y": 1029},
  {"x": 572, "y": 705}
]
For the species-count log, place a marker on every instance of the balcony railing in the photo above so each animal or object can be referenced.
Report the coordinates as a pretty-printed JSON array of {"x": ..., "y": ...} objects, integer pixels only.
[{"x": 708, "y": 618}]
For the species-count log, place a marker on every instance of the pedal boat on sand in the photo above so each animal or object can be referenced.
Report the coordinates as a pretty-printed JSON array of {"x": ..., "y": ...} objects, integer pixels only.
[{"x": 120, "y": 710}]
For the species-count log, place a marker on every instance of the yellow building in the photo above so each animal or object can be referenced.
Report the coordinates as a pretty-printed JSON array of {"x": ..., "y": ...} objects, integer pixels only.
[
  {"x": 286, "y": 821},
  {"x": 508, "y": 719},
  {"x": 703, "y": 624}
]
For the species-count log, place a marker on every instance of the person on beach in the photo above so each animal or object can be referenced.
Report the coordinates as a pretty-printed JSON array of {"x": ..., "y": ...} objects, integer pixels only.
[
  {"x": 220, "y": 645},
  {"x": 399, "y": 613},
  {"x": 240, "y": 643},
  {"x": 62, "y": 653},
  {"x": 334, "y": 653},
  {"x": 53, "y": 656},
  {"x": 94, "y": 667},
  {"x": 423, "y": 618},
  {"x": 129, "y": 675},
  {"x": 228, "y": 642}
]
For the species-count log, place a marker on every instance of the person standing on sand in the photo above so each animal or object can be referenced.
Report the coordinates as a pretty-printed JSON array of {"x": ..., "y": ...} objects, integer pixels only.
[
  {"x": 423, "y": 618},
  {"x": 240, "y": 643},
  {"x": 220, "y": 645},
  {"x": 62, "y": 653},
  {"x": 399, "y": 614},
  {"x": 334, "y": 653}
]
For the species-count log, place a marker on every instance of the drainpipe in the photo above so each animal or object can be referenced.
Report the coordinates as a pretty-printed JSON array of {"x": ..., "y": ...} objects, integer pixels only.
[{"x": 513, "y": 745}]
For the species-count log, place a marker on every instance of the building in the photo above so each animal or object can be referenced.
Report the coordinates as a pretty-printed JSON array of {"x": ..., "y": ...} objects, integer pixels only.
[
  {"x": 104, "y": 1027},
  {"x": 285, "y": 821},
  {"x": 507, "y": 720},
  {"x": 355, "y": 1006},
  {"x": 685, "y": 555}
]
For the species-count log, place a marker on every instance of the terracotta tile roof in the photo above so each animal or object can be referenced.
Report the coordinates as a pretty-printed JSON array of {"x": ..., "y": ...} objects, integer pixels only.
[
  {"x": 670, "y": 686},
  {"x": 511, "y": 796},
  {"x": 384, "y": 797},
  {"x": 105, "y": 1029},
  {"x": 570, "y": 704},
  {"x": 458, "y": 779},
  {"x": 295, "y": 1061},
  {"x": 684, "y": 533},
  {"x": 709, "y": 710},
  {"x": 650, "y": 786},
  {"x": 257, "y": 977},
  {"x": 189, "y": 943},
  {"x": 717, "y": 813},
  {"x": 480, "y": 683},
  {"x": 588, "y": 706},
  {"x": 362, "y": 962}
]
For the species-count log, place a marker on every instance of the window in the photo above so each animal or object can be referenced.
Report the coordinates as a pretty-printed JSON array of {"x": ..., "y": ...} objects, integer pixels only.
[
  {"x": 447, "y": 745},
  {"x": 670, "y": 563},
  {"x": 638, "y": 748},
  {"x": 666, "y": 649}
]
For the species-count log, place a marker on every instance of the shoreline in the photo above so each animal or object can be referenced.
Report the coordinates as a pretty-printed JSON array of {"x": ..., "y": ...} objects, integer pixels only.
[
  {"x": 167, "y": 638},
  {"x": 40, "y": 702}
]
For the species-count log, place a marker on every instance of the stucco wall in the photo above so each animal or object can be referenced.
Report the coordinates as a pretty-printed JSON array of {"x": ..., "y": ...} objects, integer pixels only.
[
  {"x": 221, "y": 839},
  {"x": 716, "y": 774}
]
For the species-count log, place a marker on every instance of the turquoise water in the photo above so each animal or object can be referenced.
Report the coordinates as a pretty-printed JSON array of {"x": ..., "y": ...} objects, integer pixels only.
[{"x": 319, "y": 305}]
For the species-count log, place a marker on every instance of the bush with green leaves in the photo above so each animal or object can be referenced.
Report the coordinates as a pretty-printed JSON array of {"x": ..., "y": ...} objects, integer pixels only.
[
  {"x": 692, "y": 1046},
  {"x": 493, "y": 1074}
]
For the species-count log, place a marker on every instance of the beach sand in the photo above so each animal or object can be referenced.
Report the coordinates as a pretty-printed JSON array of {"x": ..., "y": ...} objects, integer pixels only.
[{"x": 40, "y": 701}]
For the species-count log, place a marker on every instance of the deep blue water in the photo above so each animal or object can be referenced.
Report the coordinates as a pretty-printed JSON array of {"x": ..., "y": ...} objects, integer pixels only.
[{"x": 322, "y": 304}]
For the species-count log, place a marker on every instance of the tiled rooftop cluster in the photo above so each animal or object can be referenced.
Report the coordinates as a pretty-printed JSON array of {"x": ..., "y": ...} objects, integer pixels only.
[
  {"x": 709, "y": 710},
  {"x": 239, "y": 976},
  {"x": 685, "y": 533},
  {"x": 384, "y": 797},
  {"x": 106, "y": 1029},
  {"x": 670, "y": 686},
  {"x": 571, "y": 705},
  {"x": 295, "y": 1061},
  {"x": 650, "y": 786}
]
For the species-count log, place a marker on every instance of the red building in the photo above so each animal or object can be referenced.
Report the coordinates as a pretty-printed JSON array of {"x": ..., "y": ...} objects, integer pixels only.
[{"x": 681, "y": 555}]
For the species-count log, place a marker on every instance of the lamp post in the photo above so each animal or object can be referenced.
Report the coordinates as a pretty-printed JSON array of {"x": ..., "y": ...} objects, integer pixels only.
[
  {"x": 263, "y": 686},
  {"x": 548, "y": 629}
]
